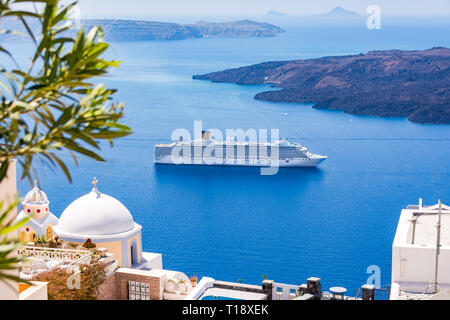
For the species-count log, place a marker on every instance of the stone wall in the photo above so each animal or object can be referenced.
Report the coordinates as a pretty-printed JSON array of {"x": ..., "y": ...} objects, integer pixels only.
[
  {"x": 107, "y": 291},
  {"x": 123, "y": 275}
]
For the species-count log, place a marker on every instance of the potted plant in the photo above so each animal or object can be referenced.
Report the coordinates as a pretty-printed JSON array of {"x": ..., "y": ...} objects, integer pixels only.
[
  {"x": 170, "y": 285},
  {"x": 182, "y": 286},
  {"x": 54, "y": 243},
  {"x": 88, "y": 244},
  {"x": 41, "y": 241},
  {"x": 193, "y": 281}
]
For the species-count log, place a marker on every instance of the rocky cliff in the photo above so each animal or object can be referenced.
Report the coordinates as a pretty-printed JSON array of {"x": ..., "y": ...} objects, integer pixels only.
[{"x": 392, "y": 83}]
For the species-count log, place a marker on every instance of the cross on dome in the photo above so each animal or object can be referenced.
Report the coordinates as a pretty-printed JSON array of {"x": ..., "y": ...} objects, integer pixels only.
[
  {"x": 94, "y": 182},
  {"x": 36, "y": 196}
]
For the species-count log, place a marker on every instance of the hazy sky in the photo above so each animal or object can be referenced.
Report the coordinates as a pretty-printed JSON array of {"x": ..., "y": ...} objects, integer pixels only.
[{"x": 108, "y": 8}]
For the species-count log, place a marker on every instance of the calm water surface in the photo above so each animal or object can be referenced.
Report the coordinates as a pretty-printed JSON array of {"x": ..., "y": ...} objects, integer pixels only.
[{"x": 229, "y": 223}]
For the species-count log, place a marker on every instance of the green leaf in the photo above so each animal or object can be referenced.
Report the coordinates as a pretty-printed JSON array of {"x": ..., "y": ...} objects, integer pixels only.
[
  {"x": 63, "y": 167},
  {"x": 55, "y": 105},
  {"x": 4, "y": 168},
  {"x": 13, "y": 227}
]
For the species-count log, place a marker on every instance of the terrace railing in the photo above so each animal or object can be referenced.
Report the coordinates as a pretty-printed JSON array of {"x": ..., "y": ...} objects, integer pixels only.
[
  {"x": 74, "y": 265},
  {"x": 68, "y": 255}
]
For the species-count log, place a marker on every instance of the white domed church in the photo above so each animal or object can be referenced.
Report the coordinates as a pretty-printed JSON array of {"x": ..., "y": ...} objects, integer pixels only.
[
  {"x": 104, "y": 220},
  {"x": 131, "y": 273},
  {"x": 36, "y": 207}
]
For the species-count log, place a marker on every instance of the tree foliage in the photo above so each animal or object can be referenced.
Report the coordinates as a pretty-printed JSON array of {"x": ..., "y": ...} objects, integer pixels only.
[
  {"x": 91, "y": 277},
  {"x": 8, "y": 246},
  {"x": 53, "y": 105}
]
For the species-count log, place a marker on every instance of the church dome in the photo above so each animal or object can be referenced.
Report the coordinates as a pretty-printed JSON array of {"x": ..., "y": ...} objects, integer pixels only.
[
  {"x": 95, "y": 214},
  {"x": 36, "y": 197}
]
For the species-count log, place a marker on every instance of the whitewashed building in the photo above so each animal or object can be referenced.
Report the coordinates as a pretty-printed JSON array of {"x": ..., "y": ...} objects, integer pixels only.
[
  {"x": 421, "y": 253},
  {"x": 36, "y": 207}
]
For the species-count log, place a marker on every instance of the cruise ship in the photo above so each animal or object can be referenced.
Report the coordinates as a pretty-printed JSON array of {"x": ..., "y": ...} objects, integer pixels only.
[{"x": 207, "y": 151}]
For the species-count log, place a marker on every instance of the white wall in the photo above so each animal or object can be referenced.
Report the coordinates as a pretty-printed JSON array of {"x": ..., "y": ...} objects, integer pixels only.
[
  {"x": 37, "y": 292},
  {"x": 8, "y": 191},
  {"x": 415, "y": 264}
]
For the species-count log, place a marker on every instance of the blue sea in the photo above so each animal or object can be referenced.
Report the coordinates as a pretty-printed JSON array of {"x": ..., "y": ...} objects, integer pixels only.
[{"x": 331, "y": 222}]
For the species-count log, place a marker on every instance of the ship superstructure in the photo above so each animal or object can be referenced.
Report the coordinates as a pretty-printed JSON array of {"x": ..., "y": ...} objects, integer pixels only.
[{"x": 207, "y": 151}]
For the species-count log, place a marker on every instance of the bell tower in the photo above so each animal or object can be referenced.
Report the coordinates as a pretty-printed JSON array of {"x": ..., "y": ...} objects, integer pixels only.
[
  {"x": 36, "y": 204},
  {"x": 36, "y": 207}
]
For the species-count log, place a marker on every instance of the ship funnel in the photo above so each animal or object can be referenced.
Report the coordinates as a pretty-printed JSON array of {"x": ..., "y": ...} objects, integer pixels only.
[{"x": 206, "y": 135}]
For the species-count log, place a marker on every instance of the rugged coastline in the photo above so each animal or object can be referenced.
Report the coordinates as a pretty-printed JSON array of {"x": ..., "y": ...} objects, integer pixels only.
[
  {"x": 391, "y": 83},
  {"x": 141, "y": 30}
]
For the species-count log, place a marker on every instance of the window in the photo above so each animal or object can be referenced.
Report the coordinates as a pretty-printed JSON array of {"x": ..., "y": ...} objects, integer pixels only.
[
  {"x": 23, "y": 236},
  {"x": 138, "y": 291},
  {"x": 134, "y": 253},
  {"x": 50, "y": 232}
]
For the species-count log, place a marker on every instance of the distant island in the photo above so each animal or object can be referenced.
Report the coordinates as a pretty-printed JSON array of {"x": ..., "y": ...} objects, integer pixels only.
[
  {"x": 134, "y": 30},
  {"x": 242, "y": 28},
  {"x": 391, "y": 83},
  {"x": 276, "y": 14},
  {"x": 340, "y": 12}
]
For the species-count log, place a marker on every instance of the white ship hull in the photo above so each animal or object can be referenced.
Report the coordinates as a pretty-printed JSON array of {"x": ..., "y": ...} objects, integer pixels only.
[
  {"x": 302, "y": 162},
  {"x": 208, "y": 152}
]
